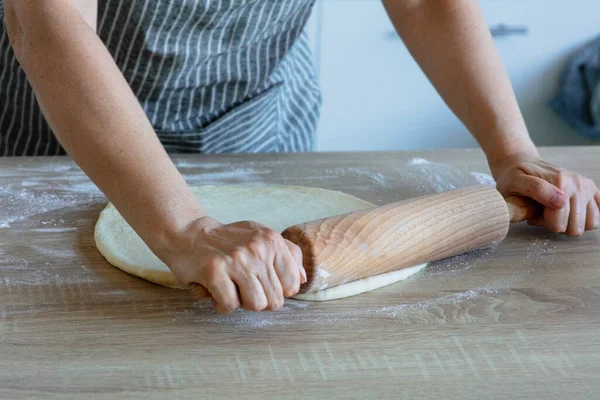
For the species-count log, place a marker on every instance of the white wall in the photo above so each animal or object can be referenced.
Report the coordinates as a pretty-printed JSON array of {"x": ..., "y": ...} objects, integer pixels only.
[{"x": 376, "y": 97}]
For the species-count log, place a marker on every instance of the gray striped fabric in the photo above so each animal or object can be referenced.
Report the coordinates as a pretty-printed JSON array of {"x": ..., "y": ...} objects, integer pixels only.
[{"x": 214, "y": 76}]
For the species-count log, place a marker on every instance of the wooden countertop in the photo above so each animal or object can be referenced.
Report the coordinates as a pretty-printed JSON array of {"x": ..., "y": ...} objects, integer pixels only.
[{"x": 518, "y": 321}]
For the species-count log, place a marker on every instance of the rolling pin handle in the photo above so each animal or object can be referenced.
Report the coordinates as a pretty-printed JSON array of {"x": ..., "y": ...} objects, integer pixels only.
[
  {"x": 522, "y": 208},
  {"x": 199, "y": 291}
]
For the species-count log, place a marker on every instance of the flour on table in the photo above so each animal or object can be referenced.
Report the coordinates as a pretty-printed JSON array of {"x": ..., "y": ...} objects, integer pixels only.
[
  {"x": 418, "y": 161},
  {"x": 430, "y": 177},
  {"x": 484, "y": 179},
  {"x": 275, "y": 206}
]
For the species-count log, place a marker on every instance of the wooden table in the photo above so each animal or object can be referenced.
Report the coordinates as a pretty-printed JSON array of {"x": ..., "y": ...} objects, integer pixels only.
[{"x": 518, "y": 321}]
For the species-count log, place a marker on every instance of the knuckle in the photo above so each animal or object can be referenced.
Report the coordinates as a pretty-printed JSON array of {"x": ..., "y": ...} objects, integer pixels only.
[
  {"x": 256, "y": 304},
  {"x": 577, "y": 232},
  {"x": 214, "y": 268},
  {"x": 562, "y": 179},
  {"x": 291, "y": 283},
  {"x": 229, "y": 305},
  {"x": 238, "y": 254},
  {"x": 207, "y": 223},
  {"x": 256, "y": 238},
  {"x": 256, "y": 247},
  {"x": 243, "y": 224},
  {"x": 210, "y": 273},
  {"x": 276, "y": 304},
  {"x": 271, "y": 236},
  {"x": 557, "y": 227},
  {"x": 292, "y": 288},
  {"x": 538, "y": 187},
  {"x": 295, "y": 251},
  {"x": 262, "y": 239}
]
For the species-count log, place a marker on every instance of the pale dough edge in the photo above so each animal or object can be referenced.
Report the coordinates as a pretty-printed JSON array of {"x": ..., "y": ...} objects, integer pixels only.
[
  {"x": 360, "y": 286},
  {"x": 166, "y": 278},
  {"x": 163, "y": 278}
]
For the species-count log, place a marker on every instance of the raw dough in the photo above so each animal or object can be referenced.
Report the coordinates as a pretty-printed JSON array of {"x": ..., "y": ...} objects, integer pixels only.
[
  {"x": 361, "y": 285},
  {"x": 275, "y": 206}
]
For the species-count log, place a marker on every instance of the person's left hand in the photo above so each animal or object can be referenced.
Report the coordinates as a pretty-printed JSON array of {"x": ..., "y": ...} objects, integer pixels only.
[{"x": 571, "y": 201}]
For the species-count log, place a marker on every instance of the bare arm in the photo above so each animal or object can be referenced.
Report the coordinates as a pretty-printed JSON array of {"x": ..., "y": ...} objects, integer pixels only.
[
  {"x": 95, "y": 115},
  {"x": 100, "y": 123},
  {"x": 451, "y": 42}
]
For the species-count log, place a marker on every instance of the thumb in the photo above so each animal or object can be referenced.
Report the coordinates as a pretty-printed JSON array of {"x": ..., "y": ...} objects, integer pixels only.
[
  {"x": 539, "y": 190},
  {"x": 297, "y": 254}
]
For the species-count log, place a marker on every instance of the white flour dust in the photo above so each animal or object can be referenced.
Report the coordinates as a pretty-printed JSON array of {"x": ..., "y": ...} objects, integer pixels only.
[
  {"x": 426, "y": 177},
  {"x": 375, "y": 177},
  {"x": 439, "y": 307},
  {"x": 457, "y": 265},
  {"x": 483, "y": 179},
  {"x": 55, "y": 230},
  {"x": 228, "y": 175},
  {"x": 542, "y": 250},
  {"x": 32, "y": 199},
  {"x": 418, "y": 161},
  {"x": 19, "y": 272},
  {"x": 292, "y": 313},
  {"x": 455, "y": 299},
  {"x": 24, "y": 200},
  {"x": 304, "y": 313},
  {"x": 43, "y": 200}
]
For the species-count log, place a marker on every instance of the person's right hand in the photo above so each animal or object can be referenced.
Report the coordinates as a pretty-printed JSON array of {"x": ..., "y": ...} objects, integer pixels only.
[{"x": 242, "y": 265}]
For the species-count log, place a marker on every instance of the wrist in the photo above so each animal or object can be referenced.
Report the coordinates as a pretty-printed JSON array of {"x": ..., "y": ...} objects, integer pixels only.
[
  {"x": 504, "y": 165},
  {"x": 172, "y": 228},
  {"x": 508, "y": 148}
]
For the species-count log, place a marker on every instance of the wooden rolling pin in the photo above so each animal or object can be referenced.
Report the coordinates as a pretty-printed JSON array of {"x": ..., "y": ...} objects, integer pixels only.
[{"x": 347, "y": 247}]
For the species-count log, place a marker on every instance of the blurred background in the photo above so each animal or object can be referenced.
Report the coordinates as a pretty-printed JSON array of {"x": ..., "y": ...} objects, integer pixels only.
[{"x": 376, "y": 98}]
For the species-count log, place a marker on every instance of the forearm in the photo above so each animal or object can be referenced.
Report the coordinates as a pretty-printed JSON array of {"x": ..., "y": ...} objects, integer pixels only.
[
  {"x": 98, "y": 120},
  {"x": 451, "y": 42}
]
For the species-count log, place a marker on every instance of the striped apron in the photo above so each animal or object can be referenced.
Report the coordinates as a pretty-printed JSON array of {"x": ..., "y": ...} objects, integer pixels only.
[{"x": 213, "y": 76}]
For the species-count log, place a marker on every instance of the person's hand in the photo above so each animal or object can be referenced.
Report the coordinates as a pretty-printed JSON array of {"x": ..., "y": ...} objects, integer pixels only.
[
  {"x": 242, "y": 265},
  {"x": 570, "y": 201}
]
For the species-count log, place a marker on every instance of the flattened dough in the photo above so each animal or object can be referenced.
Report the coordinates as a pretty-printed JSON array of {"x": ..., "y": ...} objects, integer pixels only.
[
  {"x": 361, "y": 285},
  {"x": 275, "y": 206}
]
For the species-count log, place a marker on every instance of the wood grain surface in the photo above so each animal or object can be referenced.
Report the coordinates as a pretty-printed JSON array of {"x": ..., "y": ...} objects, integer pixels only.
[
  {"x": 521, "y": 320},
  {"x": 361, "y": 244}
]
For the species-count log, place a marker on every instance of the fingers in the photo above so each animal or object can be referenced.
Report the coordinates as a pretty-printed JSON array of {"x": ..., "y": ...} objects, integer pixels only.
[
  {"x": 251, "y": 266},
  {"x": 272, "y": 287},
  {"x": 571, "y": 201},
  {"x": 289, "y": 268},
  {"x": 541, "y": 191},
  {"x": 297, "y": 255},
  {"x": 554, "y": 220},
  {"x": 593, "y": 216},
  {"x": 266, "y": 247},
  {"x": 252, "y": 293},
  {"x": 287, "y": 274},
  {"x": 577, "y": 217},
  {"x": 558, "y": 220},
  {"x": 224, "y": 294}
]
